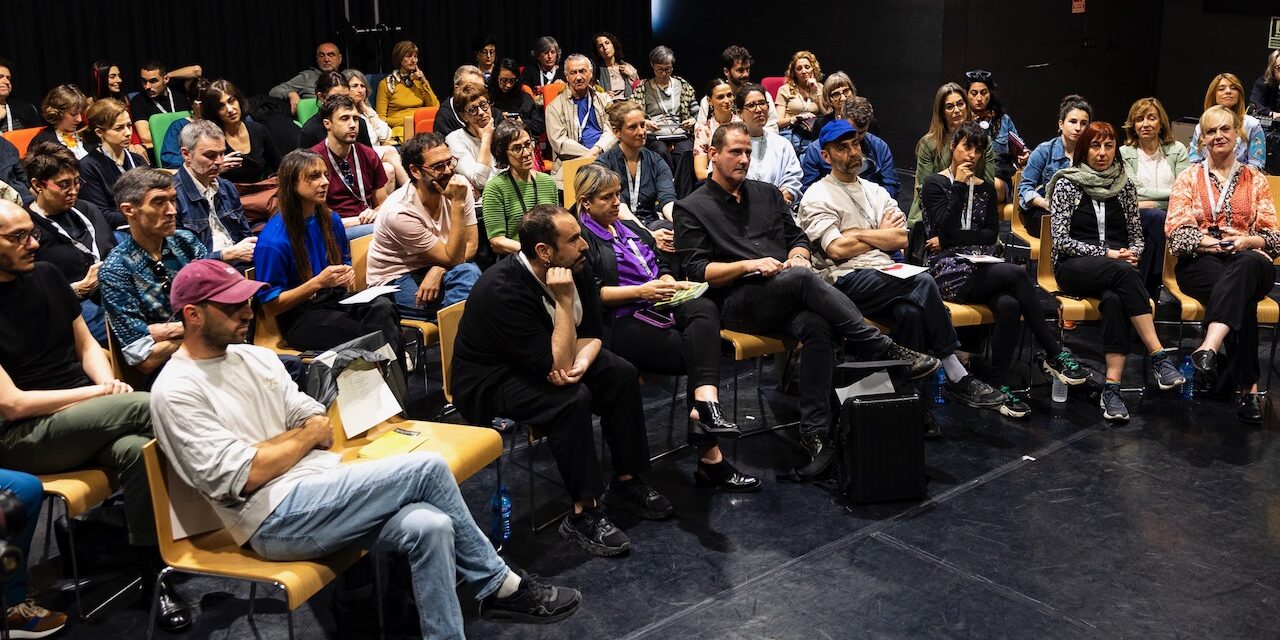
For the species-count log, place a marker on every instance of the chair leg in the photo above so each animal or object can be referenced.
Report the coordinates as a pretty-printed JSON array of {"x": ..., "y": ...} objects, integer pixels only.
[
  {"x": 75, "y": 565},
  {"x": 378, "y": 594},
  {"x": 735, "y": 390},
  {"x": 253, "y": 597},
  {"x": 155, "y": 602},
  {"x": 290, "y": 619},
  {"x": 671, "y": 423},
  {"x": 48, "y": 524}
]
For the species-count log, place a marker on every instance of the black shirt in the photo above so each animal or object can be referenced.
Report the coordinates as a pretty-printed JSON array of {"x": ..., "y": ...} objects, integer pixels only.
[
  {"x": 142, "y": 107},
  {"x": 943, "y": 203},
  {"x": 262, "y": 159},
  {"x": 98, "y": 176},
  {"x": 313, "y": 133},
  {"x": 506, "y": 331},
  {"x": 37, "y": 343},
  {"x": 713, "y": 226},
  {"x": 1084, "y": 223},
  {"x": 519, "y": 102},
  {"x": 21, "y": 115},
  {"x": 59, "y": 250}
]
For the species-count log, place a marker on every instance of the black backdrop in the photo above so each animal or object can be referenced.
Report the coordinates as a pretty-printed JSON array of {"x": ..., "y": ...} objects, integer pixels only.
[{"x": 259, "y": 43}]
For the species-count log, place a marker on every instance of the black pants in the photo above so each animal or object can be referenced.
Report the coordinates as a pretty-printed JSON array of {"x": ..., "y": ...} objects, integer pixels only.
[
  {"x": 691, "y": 348},
  {"x": 1006, "y": 288},
  {"x": 610, "y": 389},
  {"x": 799, "y": 305},
  {"x": 1151, "y": 262},
  {"x": 1118, "y": 287},
  {"x": 323, "y": 323},
  {"x": 1230, "y": 287},
  {"x": 921, "y": 321}
]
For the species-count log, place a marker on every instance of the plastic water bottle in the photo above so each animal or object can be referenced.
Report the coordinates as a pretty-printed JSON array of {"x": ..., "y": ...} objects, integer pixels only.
[
  {"x": 1059, "y": 391},
  {"x": 1188, "y": 390},
  {"x": 501, "y": 507},
  {"x": 939, "y": 379}
]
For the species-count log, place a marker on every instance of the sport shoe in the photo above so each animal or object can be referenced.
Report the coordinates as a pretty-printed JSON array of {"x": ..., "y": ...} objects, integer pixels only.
[
  {"x": 1013, "y": 406},
  {"x": 29, "y": 620},
  {"x": 639, "y": 498},
  {"x": 1112, "y": 404},
  {"x": 822, "y": 452},
  {"x": 1065, "y": 369},
  {"x": 593, "y": 531},
  {"x": 973, "y": 392},
  {"x": 919, "y": 365},
  {"x": 1167, "y": 375},
  {"x": 534, "y": 601}
]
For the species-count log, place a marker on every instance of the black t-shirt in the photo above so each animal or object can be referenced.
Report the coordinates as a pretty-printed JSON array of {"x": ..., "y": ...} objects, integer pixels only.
[
  {"x": 37, "y": 344},
  {"x": 142, "y": 107},
  {"x": 313, "y": 133},
  {"x": 262, "y": 160}
]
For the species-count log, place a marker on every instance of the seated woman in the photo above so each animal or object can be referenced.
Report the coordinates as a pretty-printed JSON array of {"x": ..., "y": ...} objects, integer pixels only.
[
  {"x": 73, "y": 235},
  {"x": 1152, "y": 159},
  {"x": 632, "y": 276},
  {"x": 1264, "y": 102},
  {"x": 379, "y": 131},
  {"x": 516, "y": 105},
  {"x": 404, "y": 90},
  {"x": 484, "y": 50},
  {"x": 106, "y": 81},
  {"x": 303, "y": 254},
  {"x": 773, "y": 159},
  {"x": 669, "y": 103},
  {"x": 545, "y": 69},
  {"x": 933, "y": 151},
  {"x": 649, "y": 192},
  {"x": 613, "y": 74},
  {"x": 108, "y": 134},
  {"x": 1222, "y": 225},
  {"x": 799, "y": 101},
  {"x": 251, "y": 154},
  {"x": 472, "y": 145},
  {"x": 1226, "y": 90},
  {"x": 1049, "y": 157},
  {"x": 511, "y": 193},
  {"x": 837, "y": 88},
  {"x": 1096, "y": 243},
  {"x": 720, "y": 98},
  {"x": 61, "y": 109},
  {"x": 985, "y": 109},
  {"x": 960, "y": 218}
]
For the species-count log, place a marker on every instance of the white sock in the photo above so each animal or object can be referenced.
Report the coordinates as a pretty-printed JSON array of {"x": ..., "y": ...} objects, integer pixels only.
[
  {"x": 955, "y": 371},
  {"x": 509, "y": 584}
]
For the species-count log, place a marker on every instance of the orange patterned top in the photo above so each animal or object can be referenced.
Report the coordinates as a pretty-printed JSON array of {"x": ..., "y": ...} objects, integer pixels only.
[{"x": 1248, "y": 209}]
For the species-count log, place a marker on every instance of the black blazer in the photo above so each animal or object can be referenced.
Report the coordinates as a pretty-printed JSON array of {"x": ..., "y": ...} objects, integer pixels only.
[{"x": 603, "y": 265}]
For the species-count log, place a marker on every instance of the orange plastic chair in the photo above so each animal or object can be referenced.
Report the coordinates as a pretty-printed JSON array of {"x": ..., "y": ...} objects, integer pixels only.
[
  {"x": 21, "y": 138},
  {"x": 550, "y": 91},
  {"x": 424, "y": 119}
]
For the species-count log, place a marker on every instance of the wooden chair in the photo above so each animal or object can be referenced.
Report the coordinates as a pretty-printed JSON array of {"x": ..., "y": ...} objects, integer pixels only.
[
  {"x": 123, "y": 371},
  {"x": 747, "y": 346},
  {"x": 447, "y": 320},
  {"x": 428, "y": 332},
  {"x": 78, "y": 491},
  {"x": 21, "y": 138},
  {"x": 266, "y": 333},
  {"x": 569, "y": 172}
]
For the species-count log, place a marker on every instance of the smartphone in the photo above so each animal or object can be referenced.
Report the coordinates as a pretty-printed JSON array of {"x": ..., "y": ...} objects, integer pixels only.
[
  {"x": 1226, "y": 244},
  {"x": 510, "y": 115}
]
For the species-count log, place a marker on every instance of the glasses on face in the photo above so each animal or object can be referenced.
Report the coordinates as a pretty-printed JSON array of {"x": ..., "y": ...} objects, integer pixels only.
[
  {"x": 443, "y": 165},
  {"x": 663, "y": 68},
  {"x": 977, "y": 75},
  {"x": 953, "y": 106},
  {"x": 20, "y": 238},
  {"x": 478, "y": 108},
  {"x": 757, "y": 105},
  {"x": 521, "y": 148},
  {"x": 64, "y": 185},
  {"x": 507, "y": 82},
  {"x": 842, "y": 92}
]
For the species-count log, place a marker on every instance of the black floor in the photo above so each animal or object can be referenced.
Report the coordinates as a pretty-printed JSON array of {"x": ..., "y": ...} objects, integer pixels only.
[{"x": 1054, "y": 527}]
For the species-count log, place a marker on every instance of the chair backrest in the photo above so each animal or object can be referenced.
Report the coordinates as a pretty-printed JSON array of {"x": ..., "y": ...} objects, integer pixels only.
[
  {"x": 525, "y": 88},
  {"x": 1274, "y": 183},
  {"x": 360, "y": 260},
  {"x": 447, "y": 319},
  {"x": 1044, "y": 266},
  {"x": 772, "y": 84},
  {"x": 307, "y": 107},
  {"x": 424, "y": 119},
  {"x": 159, "y": 125},
  {"x": 122, "y": 370},
  {"x": 549, "y": 92},
  {"x": 569, "y": 170},
  {"x": 158, "y": 483},
  {"x": 21, "y": 138}
]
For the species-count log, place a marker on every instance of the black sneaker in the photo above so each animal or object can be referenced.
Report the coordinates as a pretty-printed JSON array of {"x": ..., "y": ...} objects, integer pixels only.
[
  {"x": 1113, "y": 409},
  {"x": 534, "y": 601},
  {"x": 1166, "y": 373},
  {"x": 919, "y": 364},
  {"x": 973, "y": 392},
  {"x": 639, "y": 498},
  {"x": 822, "y": 452},
  {"x": 1065, "y": 369},
  {"x": 593, "y": 531},
  {"x": 1013, "y": 406}
]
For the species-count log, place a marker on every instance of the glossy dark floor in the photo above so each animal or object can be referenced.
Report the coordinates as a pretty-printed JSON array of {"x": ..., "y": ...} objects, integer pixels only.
[{"x": 1058, "y": 526}]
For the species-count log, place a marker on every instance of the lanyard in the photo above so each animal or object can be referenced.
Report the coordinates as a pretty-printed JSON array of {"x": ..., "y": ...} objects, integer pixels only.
[
  {"x": 168, "y": 92},
  {"x": 1215, "y": 206},
  {"x": 633, "y": 186},
  {"x": 635, "y": 251},
  {"x": 355, "y": 162},
  {"x": 1100, "y": 210},
  {"x": 582, "y": 122},
  {"x": 128, "y": 158},
  {"x": 92, "y": 249},
  {"x": 524, "y": 208},
  {"x": 966, "y": 216}
]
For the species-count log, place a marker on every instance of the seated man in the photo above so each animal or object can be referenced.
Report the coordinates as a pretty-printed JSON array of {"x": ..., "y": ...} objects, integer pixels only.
[
  {"x": 855, "y": 225},
  {"x": 773, "y": 158},
  {"x": 24, "y": 618},
  {"x": 208, "y": 205},
  {"x": 11, "y": 173},
  {"x": 877, "y": 159},
  {"x": 528, "y": 349},
  {"x": 62, "y": 409},
  {"x": 738, "y": 235},
  {"x": 135, "y": 278},
  {"x": 448, "y": 119},
  {"x": 14, "y": 114},
  {"x": 256, "y": 452},
  {"x": 425, "y": 236},
  {"x": 735, "y": 65},
  {"x": 313, "y": 131},
  {"x": 576, "y": 124},
  {"x": 356, "y": 177},
  {"x": 328, "y": 58},
  {"x": 158, "y": 97}
]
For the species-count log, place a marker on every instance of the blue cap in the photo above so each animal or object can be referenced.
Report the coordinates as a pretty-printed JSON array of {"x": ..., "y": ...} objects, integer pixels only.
[{"x": 835, "y": 130}]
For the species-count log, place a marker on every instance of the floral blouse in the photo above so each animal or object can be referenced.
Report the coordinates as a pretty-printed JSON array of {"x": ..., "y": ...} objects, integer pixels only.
[
  {"x": 1248, "y": 208},
  {"x": 1066, "y": 197}
]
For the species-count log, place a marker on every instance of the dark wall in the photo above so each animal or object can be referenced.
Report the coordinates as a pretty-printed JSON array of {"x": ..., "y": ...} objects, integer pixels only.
[
  {"x": 259, "y": 43},
  {"x": 1204, "y": 42}
]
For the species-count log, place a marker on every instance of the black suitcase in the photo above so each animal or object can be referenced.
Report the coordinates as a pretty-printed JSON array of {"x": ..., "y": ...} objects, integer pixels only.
[{"x": 881, "y": 448}]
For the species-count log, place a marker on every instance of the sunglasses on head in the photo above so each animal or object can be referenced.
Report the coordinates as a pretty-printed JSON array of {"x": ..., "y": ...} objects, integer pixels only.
[{"x": 978, "y": 75}]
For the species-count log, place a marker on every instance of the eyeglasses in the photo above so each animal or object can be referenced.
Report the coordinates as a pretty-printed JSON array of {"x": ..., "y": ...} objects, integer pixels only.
[
  {"x": 20, "y": 238},
  {"x": 759, "y": 104},
  {"x": 507, "y": 82},
  {"x": 842, "y": 92},
  {"x": 977, "y": 75},
  {"x": 478, "y": 108},
  {"x": 953, "y": 106},
  {"x": 517, "y": 149},
  {"x": 443, "y": 165},
  {"x": 64, "y": 185}
]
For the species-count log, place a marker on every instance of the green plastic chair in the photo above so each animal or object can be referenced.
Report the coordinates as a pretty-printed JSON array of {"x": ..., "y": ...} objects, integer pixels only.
[
  {"x": 159, "y": 124},
  {"x": 307, "y": 107}
]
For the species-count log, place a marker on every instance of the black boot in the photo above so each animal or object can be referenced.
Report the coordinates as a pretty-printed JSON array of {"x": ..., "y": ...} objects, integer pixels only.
[
  {"x": 174, "y": 614},
  {"x": 711, "y": 421}
]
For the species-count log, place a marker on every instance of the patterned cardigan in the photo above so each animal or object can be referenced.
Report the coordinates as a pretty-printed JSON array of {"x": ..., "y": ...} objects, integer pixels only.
[
  {"x": 1248, "y": 208},
  {"x": 1066, "y": 197}
]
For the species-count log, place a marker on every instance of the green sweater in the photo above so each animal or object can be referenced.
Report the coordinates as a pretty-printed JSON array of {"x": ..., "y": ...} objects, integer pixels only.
[{"x": 503, "y": 206}]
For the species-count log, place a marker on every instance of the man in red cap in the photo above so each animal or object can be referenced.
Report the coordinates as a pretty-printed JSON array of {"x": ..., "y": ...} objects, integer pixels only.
[{"x": 235, "y": 427}]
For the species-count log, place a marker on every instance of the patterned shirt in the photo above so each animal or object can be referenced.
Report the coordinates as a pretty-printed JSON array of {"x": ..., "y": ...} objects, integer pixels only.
[
  {"x": 1247, "y": 208},
  {"x": 135, "y": 293}
]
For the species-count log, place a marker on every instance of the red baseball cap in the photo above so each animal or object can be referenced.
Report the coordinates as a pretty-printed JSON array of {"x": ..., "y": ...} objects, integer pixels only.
[{"x": 210, "y": 280}]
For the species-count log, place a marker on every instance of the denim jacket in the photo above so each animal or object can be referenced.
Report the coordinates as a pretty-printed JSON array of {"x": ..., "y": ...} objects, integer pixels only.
[{"x": 193, "y": 210}]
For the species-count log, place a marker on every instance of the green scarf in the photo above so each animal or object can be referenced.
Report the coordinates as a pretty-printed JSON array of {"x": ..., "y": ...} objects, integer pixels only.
[{"x": 1099, "y": 185}]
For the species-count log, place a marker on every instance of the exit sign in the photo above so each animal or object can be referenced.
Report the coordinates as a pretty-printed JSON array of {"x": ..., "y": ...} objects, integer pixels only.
[{"x": 1273, "y": 36}]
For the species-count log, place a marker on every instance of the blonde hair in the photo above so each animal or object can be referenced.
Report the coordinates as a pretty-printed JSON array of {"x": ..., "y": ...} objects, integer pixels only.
[
  {"x": 938, "y": 124},
  {"x": 1214, "y": 117},
  {"x": 592, "y": 179},
  {"x": 1271, "y": 75},
  {"x": 1140, "y": 106},
  {"x": 61, "y": 100},
  {"x": 102, "y": 114},
  {"x": 1211, "y": 96},
  {"x": 797, "y": 57}
]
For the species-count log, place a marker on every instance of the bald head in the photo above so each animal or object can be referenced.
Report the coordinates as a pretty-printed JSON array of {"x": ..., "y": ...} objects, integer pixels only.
[{"x": 17, "y": 248}]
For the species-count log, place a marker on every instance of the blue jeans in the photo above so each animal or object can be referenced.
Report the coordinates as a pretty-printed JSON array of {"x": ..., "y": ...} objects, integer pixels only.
[
  {"x": 359, "y": 231},
  {"x": 30, "y": 493},
  {"x": 408, "y": 504},
  {"x": 455, "y": 287}
]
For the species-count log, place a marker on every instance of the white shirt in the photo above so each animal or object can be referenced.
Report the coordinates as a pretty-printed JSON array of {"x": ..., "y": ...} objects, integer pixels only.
[
  {"x": 774, "y": 160},
  {"x": 704, "y": 111},
  {"x": 221, "y": 238},
  {"x": 466, "y": 148},
  {"x": 1154, "y": 172},
  {"x": 831, "y": 206}
]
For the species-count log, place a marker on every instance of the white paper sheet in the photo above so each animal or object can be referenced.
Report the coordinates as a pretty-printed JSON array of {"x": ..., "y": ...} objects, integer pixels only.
[
  {"x": 903, "y": 270},
  {"x": 977, "y": 258},
  {"x": 364, "y": 400},
  {"x": 369, "y": 294},
  {"x": 189, "y": 511},
  {"x": 878, "y": 382}
]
